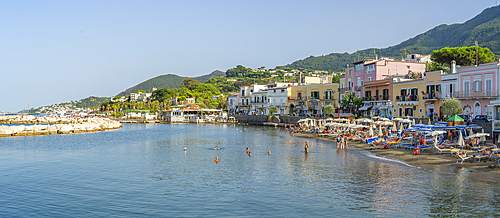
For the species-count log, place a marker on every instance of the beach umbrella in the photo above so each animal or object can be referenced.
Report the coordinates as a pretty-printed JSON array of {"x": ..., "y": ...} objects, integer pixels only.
[
  {"x": 405, "y": 121},
  {"x": 461, "y": 142},
  {"x": 384, "y": 119},
  {"x": 394, "y": 128},
  {"x": 413, "y": 122},
  {"x": 483, "y": 138},
  {"x": 471, "y": 132},
  {"x": 473, "y": 126},
  {"x": 397, "y": 119},
  {"x": 435, "y": 133},
  {"x": 441, "y": 123},
  {"x": 411, "y": 130},
  {"x": 400, "y": 127},
  {"x": 436, "y": 140},
  {"x": 455, "y": 118},
  {"x": 477, "y": 135},
  {"x": 370, "y": 131},
  {"x": 380, "y": 132},
  {"x": 386, "y": 123},
  {"x": 365, "y": 120}
]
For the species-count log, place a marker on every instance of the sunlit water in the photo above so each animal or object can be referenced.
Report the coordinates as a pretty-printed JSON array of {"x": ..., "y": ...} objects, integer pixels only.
[{"x": 143, "y": 171}]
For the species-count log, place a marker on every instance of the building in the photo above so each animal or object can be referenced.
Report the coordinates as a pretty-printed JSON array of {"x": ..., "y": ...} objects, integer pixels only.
[
  {"x": 418, "y": 58},
  {"x": 408, "y": 101},
  {"x": 259, "y": 103},
  {"x": 310, "y": 99},
  {"x": 278, "y": 97},
  {"x": 246, "y": 97},
  {"x": 378, "y": 100},
  {"x": 433, "y": 96},
  {"x": 477, "y": 87},
  {"x": 371, "y": 70},
  {"x": 233, "y": 102},
  {"x": 140, "y": 96}
]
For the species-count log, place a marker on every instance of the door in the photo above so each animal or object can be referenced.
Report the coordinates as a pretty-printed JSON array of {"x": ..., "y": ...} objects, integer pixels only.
[
  {"x": 477, "y": 109},
  {"x": 466, "y": 89}
]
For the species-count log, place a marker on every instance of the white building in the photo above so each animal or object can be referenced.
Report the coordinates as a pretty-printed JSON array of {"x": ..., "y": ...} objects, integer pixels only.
[
  {"x": 259, "y": 103},
  {"x": 278, "y": 97},
  {"x": 140, "y": 96}
]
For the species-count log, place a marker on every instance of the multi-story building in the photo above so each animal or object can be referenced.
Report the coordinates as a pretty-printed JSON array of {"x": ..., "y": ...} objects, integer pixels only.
[
  {"x": 278, "y": 97},
  {"x": 259, "y": 103},
  {"x": 418, "y": 58},
  {"x": 140, "y": 96},
  {"x": 378, "y": 100},
  {"x": 310, "y": 99},
  {"x": 408, "y": 102},
  {"x": 233, "y": 103},
  {"x": 433, "y": 95},
  {"x": 371, "y": 70},
  {"x": 477, "y": 87},
  {"x": 246, "y": 97}
]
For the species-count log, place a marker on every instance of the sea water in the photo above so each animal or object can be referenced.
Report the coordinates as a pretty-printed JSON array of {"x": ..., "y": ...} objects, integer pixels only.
[{"x": 142, "y": 170}]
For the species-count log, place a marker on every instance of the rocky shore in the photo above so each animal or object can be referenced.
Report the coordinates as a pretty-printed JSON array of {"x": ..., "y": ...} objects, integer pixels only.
[{"x": 53, "y": 125}]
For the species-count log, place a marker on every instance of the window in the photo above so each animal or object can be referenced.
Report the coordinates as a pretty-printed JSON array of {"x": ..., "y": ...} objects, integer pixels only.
[
  {"x": 282, "y": 90},
  {"x": 476, "y": 86},
  {"x": 488, "y": 87},
  {"x": 362, "y": 82},
  {"x": 300, "y": 103},
  {"x": 466, "y": 88},
  {"x": 359, "y": 81},
  {"x": 369, "y": 79},
  {"x": 342, "y": 85},
  {"x": 400, "y": 111},
  {"x": 350, "y": 72},
  {"x": 275, "y": 91},
  {"x": 370, "y": 67},
  {"x": 314, "y": 104},
  {"x": 368, "y": 94},
  {"x": 358, "y": 67},
  {"x": 315, "y": 95},
  {"x": 420, "y": 110},
  {"x": 438, "y": 88}
]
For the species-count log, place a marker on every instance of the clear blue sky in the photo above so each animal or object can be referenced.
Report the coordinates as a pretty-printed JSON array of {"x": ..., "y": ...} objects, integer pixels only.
[{"x": 57, "y": 51}]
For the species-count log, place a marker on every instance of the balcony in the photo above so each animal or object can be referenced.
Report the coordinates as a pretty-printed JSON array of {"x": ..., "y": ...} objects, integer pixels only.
[
  {"x": 298, "y": 98},
  {"x": 326, "y": 98},
  {"x": 314, "y": 97},
  {"x": 407, "y": 100},
  {"x": 474, "y": 94},
  {"x": 342, "y": 90},
  {"x": 376, "y": 98},
  {"x": 357, "y": 88},
  {"x": 433, "y": 96}
]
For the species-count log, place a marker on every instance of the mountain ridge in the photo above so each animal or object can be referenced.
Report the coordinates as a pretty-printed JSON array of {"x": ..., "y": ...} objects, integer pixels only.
[{"x": 484, "y": 28}]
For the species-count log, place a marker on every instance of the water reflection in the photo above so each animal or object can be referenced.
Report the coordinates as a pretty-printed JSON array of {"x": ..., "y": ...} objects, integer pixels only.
[{"x": 147, "y": 166}]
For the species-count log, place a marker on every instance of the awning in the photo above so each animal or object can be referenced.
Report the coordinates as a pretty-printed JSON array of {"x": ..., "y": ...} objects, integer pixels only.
[{"x": 364, "y": 108}]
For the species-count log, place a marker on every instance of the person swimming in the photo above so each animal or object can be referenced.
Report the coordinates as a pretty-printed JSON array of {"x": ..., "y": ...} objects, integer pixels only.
[
  {"x": 247, "y": 150},
  {"x": 216, "y": 148},
  {"x": 268, "y": 151},
  {"x": 249, "y": 154},
  {"x": 216, "y": 160},
  {"x": 185, "y": 149}
]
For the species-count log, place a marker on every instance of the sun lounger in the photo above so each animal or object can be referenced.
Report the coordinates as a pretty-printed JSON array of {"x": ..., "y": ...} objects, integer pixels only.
[
  {"x": 441, "y": 150},
  {"x": 371, "y": 140},
  {"x": 461, "y": 158},
  {"x": 480, "y": 157}
]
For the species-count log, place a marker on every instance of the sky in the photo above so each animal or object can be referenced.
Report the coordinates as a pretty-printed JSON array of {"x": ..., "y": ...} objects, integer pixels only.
[{"x": 58, "y": 51}]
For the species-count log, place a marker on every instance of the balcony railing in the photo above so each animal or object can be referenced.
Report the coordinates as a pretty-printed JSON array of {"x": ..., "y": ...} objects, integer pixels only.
[
  {"x": 298, "y": 98},
  {"x": 407, "y": 98},
  {"x": 328, "y": 98},
  {"x": 376, "y": 98},
  {"x": 357, "y": 88},
  {"x": 474, "y": 94},
  {"x": 342, "y": 90}
]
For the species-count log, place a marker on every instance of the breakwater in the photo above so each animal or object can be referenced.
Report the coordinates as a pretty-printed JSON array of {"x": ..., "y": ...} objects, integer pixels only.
[{"x": 53, "y": 125}]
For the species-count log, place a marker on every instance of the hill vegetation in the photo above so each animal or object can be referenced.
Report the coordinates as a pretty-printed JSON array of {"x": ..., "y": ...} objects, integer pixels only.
[
  {"x": 484, "y": 28},
  {"x": 169, "y": 80}
]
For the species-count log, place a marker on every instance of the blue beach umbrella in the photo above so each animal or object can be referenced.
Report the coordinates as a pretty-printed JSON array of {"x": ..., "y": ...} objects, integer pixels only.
[{"x": 473, "y": 126}]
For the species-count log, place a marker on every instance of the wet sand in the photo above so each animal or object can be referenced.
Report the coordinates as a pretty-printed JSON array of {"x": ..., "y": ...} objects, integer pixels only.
[{"x": 428, "y": 159}]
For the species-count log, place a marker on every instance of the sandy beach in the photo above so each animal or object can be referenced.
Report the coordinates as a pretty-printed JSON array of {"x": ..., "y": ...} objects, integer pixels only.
[{"x": 428, "y": 159}]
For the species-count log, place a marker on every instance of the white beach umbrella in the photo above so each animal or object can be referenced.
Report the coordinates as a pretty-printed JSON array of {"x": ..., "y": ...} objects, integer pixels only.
[
  {"x": 397, "y": 119},
  {"x": 471, "y": 132},
  {"x": 400, "y": 127},
  {"x": 384, "y": 119},
  {"x": 394, "y": 128},
  {"x": 483, "y": 138},
  {"x": 386, "y": 123},
  {"x": 461, "y": 142},
  {"x": 405, "y": 121},
  {"x": 370, "y": 131},
  {"x": 477, "y": 135},
  {"x": 380, "y": 132},
  {"x": 413, "y": 122}
]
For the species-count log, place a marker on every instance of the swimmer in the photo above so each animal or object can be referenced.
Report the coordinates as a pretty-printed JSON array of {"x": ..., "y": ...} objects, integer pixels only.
[
  {"x": 247, "y": 150},
  {"x": 249, "y": 154},
  {"x": 216, "y": 148},
  {"x": 185, "y": 149},
  {"x": 268, "y": 151},
  {"x": 216, "y": 160}
]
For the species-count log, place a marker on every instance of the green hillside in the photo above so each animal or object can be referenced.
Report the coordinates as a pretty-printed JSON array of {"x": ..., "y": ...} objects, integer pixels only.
[
  {"x": 484, "y": 28},
  {"x": 169, "y": 80}
]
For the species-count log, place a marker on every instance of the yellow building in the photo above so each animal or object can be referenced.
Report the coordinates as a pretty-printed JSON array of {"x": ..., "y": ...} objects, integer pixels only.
[
  {"x": 310, "y": 99},
  {"x": 408, "y": 101},
  {"x": 433, "y": 95}
]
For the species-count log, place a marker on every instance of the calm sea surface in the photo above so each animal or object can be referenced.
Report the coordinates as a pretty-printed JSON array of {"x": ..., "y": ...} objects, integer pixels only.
[{"x": 143, "y": 171}]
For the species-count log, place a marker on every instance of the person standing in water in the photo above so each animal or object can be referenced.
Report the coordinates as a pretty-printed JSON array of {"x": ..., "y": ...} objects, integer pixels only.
[
  {"x": 216, "y": 160},
  {"x": 306, "y": 147}
]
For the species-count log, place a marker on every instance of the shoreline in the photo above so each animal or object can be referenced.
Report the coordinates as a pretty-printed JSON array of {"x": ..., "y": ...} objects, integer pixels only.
[{"x": 428, "y": 159}]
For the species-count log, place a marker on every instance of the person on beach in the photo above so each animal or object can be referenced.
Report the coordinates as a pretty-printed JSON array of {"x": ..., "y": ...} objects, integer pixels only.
[
  {"x": 346, "y": 141},
  {"x": 342, "y": 142},
  {"x": 338, "y": 142},
  {"x": 216, "y": 160}
]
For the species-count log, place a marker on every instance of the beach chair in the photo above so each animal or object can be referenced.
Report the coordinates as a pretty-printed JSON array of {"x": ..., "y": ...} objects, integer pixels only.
[
  {"x": 461, "y": 158},
  {"x": 371, "y": 140},
  {"x": 480, "y": 157},
  {"x": 441, "y": 150}
]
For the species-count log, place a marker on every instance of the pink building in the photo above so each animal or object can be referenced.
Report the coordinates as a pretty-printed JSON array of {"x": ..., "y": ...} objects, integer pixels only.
[
  {"x": 477, "y": 87},
  {"x": 371, "y": 70}
]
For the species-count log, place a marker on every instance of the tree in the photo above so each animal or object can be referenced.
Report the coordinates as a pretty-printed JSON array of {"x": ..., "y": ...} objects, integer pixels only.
[
  {"x": 451, "y": 107},
  {"x": 190, "y": 83},
  {"x": 329, "y": 109},
  {"x": 464, "y": 56},
  {"x": 348, "y": 101},
  {"x": 273, "y": 110},
  {"x": 358, "y": 102}
]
